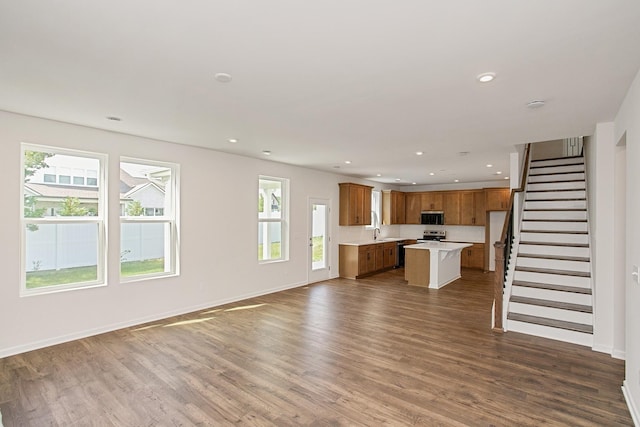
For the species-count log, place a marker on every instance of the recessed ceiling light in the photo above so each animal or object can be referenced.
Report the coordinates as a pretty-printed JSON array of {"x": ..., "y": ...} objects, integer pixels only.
[
  {"x": 114, "y": 118},
  {"x": 379, "y": 174},
  {"x": 348, "y": 162},
  {"x": 456, "y": 180},
  {"x": 419, "y": 153},
  {"x": 499, "y": 173},
  {"x": 223, "y": 77},
  {"x": 486, "y": 77},
  {"x": 506, "y": 177},
  {"x": 431, "y": 173},
  {"x": 536, "y": 103},
  {"x": 489, "y": 165},
  {"x": 266, "y": 152},
  {"x": 398, "y": 179},
  {"x": 232, "y": 140}
]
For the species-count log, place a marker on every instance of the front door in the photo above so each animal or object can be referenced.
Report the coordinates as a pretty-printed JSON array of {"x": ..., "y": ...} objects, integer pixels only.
[{"x": 318, "y": 240}]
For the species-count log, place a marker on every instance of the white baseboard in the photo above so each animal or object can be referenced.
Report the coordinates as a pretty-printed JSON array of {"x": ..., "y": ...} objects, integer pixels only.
[
  {"x": 635, "y": 415},
  {"x": 5, "y": 352},
  {"x": 619, "y": 354},
  {"x": 602, "y": 348}
]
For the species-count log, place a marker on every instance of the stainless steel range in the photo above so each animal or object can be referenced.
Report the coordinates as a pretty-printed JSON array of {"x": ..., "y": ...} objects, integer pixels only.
[{"x": 431, "y": 235}]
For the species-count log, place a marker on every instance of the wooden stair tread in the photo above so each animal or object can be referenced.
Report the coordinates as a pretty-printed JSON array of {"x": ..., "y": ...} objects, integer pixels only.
[
  {"x": 554, "y": 220},
  {"x": 555, "y": 190},
  {"x": 556, "y": 210},
  {"x": 553, "y": 323},
  {"x": 570, "y": 245},
  {"x": 566, "y": 199},
  {"x": 552, "y": 287},
  {"x": 554, "y": 271},
  {"x": 556, "y": 180},
  {"x": 554, "y": 173},
  {"x": 553, "y": 304},
  {"x": 555, "y": 257},
  {"x": 558, "y": 158},
  {"x": 554, "y": 231}
]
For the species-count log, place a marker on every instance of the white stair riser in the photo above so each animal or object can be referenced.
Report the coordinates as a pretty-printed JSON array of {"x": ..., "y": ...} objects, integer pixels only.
[
  {"x": 553, "y": 250},
  {"x": 557, "y": 177},
  {"x": 548, "y": 170},
  {"x": 558, "y": 162},
  {"x": 556, "y": 204},
  {"x": 552, "y": 333},
  {"x": 571, "y": 185},
  {"x": 551, "y": 313},
  {"x": 554, "y": 279},
  {"x": 556, "y": 264},
  {"x": 571, "y": 297},
  {"x": 554, "y": 225},
  {"x": 575, "y": 215},
  {"x": 554, "y": 237},
  {"x": 555, "y": 195}
]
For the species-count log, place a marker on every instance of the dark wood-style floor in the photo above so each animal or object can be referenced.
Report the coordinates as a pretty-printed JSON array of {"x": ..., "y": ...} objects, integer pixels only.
[{"x": 342, "y": 352}]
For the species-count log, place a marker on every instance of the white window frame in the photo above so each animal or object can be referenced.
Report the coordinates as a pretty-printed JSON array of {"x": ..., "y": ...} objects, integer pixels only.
[
  {"x": 283, "y": 220},
  {"x": 98, "y": 219},
  {"x": 376, "y": 210},
  {"x": 172, "y": 218}
]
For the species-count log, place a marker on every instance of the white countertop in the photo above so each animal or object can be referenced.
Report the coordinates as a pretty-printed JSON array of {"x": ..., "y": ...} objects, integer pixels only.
[
  {"x": 439, "y": 246},
  {"x": 373, "y": 242}
]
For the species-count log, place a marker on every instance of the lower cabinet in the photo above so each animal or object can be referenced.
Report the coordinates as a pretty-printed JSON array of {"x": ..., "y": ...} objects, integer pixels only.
[
  {"x": 357, "y": 261},
  {"x": 473, "y": 257}
]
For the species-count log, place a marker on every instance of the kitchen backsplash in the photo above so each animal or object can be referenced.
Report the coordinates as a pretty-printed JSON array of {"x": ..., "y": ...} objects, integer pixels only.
[{"x": 460, "y": 233}]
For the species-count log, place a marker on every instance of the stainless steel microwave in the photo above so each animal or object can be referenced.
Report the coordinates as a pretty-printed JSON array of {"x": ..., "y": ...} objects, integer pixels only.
[{"x": 432, "y": 217}]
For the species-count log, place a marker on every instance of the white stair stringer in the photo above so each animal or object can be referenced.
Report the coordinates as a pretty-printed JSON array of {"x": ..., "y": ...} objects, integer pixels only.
[
  {"x": 548, "y": 290},
  {"x": 508, "y": 282}
]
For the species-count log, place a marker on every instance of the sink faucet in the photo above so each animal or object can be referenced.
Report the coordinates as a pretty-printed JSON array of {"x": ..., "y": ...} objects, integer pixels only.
[{"x": 376, "y": 233}]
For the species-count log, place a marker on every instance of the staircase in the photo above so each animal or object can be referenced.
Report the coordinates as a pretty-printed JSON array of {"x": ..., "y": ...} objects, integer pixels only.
[{"x": 551, "y": 292}]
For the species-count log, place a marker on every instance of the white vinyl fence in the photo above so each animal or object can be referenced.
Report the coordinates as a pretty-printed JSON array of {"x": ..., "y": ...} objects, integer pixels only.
[{"x": 58, "y": 246}]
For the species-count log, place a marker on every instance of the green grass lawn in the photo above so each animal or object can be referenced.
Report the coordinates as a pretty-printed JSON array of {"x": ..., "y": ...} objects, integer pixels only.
[{"x": 39, "y": 279}]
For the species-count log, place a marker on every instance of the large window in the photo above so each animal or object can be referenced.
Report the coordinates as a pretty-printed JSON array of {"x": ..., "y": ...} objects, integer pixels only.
[
  {"x": 148, "y": 221},
  {"x": 272, "y": 219},
  {"x": 63, "y": 227}
]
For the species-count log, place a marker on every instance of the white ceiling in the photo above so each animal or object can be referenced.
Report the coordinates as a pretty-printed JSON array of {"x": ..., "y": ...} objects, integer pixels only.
[{"x": 318, "y": 83}]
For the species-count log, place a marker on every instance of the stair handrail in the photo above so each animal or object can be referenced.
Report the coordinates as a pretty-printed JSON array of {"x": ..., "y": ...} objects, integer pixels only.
[{"x": 503, "y": 247}]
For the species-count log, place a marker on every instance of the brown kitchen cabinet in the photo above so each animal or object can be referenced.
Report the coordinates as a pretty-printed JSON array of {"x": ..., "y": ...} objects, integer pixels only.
[
  {"x": 393, "y": 207},
  {"x": 497, "y": 199},
  {"x": 413, "y": 207},
  {"x": 472, "y": 207},
  {"x": 451, "y": 204},
  {"x": 355, "y": 204},
  {"x": 432, "y": 201},
  {"x": 473, "y": 257},
  {"x": 389, "y": 255},
  {"x": 363, "y": 260}
]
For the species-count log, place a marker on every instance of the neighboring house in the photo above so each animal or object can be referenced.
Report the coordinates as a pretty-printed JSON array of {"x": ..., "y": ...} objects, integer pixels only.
[
  {"x": 150, "y": 194},
  {"x": 50, "y": 193}
]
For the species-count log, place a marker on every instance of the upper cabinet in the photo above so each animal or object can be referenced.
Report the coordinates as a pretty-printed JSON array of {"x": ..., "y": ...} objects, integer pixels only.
[
  {"x": 497, "y": 199},
  {"x": 355, "y": 204},
  {"x": 432, "y": 201},
  {"x": 413, "y": 205},
  {"x": 451, "y": 204},
  {"x": 472, "y": 210},
  {"x": 393, "y": 207}
]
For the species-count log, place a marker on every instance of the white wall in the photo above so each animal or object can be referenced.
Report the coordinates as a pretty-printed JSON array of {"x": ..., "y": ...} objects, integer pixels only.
[
  {"x": 600, "y": 183},
  {"x": 628, "y": 122},
  {"x": 218, "y": 236}
]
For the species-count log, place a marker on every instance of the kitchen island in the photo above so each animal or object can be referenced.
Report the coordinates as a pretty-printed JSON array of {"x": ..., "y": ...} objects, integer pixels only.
[{"x": 433, "y": 264}]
